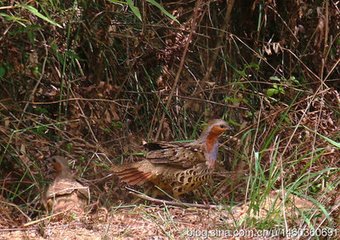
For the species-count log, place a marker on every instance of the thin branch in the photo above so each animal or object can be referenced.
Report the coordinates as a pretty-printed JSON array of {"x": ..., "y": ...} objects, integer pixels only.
[{"x": 172, "y": 203}]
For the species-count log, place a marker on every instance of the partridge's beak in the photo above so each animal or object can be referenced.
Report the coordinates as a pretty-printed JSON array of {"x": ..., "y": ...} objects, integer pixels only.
[{"x": 227, "y": 129}]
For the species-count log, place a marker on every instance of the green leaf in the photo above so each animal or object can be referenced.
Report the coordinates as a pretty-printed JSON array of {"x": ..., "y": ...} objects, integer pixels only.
[
  {"x": 281, "y": 90},
  {"x": 275, "y": 78},
  {"x": 116, "y": 124},
  {"x": 2, "y": 71},
  {"x": 162, "y": 9},
  {"x": 232, "y": 100},
  {"x": 69, "y": 147},
  {"x": 35, "y": 12},
  {"x": 272, "y": 91},
  {"x": 294, "y": 80},
  {"x": 41, "y": 130},
  {"x": 11, "y": 18},
  {"x": 117, "y": 1},
  {"x": 134, "y": 9},
  {"x": 41, "y": 110}
]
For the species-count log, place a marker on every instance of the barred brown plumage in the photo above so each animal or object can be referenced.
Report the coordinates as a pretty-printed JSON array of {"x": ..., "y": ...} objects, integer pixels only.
[
  {"x": 176, "y": 168},
  {"x": 65, "y": 194}
]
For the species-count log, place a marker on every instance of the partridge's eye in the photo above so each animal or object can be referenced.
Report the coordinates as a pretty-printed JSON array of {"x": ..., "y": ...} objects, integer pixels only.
[{"x": 223, "y": 126}]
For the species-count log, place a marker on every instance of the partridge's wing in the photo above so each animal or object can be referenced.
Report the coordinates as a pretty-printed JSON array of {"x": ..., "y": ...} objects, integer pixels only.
[
  {"x": 65, "y": 186},
  {"x": 66, "y": 195},
  {"x": 158, "y": 160},
  {"x": 180, "y": 155},
  {"x": 136, "y": 173},
  {"x": 83, "y": 191}
]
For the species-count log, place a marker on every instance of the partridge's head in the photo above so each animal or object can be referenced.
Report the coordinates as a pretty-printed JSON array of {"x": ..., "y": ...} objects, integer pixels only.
[
  {"x": 209, "y": 138},
  {"x": 215, "y": 128},
  {"x": 60, "y": 165}
]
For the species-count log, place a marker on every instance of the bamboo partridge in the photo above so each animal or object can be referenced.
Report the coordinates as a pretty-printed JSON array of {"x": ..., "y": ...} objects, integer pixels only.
[
  {"x": 176, "y": 168},
  {"x": 65, "y": 194}
]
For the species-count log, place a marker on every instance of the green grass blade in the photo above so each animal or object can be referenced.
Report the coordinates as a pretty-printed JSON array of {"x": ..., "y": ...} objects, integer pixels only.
[
  {"x": 163, "y": 10},
  {"x": 16, "y": 19},
  {"x": 334, "y": 143},
  {"x": 35, "y": 12},
  {"x": 134, "y": 9}
]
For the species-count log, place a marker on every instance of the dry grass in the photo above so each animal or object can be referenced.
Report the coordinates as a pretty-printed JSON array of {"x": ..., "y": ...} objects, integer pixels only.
[{"x": 147, "y": 221}]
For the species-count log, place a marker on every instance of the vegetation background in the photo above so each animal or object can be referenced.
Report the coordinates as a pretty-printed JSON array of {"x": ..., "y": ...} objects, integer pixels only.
[{"x": 90, "y": 80}]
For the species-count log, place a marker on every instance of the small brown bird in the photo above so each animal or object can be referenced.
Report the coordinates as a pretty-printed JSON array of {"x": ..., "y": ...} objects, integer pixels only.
[
  {"x": 176, "y": 168},
  {"x": 65, "y": 194}
]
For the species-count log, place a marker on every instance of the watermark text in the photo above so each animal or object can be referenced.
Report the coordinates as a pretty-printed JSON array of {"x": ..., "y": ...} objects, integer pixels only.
[{"x": 275, "y": 232}]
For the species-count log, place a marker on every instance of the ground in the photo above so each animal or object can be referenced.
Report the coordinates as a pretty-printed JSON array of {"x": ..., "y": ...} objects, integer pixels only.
[{"x": 161, "y": 222}]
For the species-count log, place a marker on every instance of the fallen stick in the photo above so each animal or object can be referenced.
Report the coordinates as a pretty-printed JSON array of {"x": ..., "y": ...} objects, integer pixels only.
[{"x": 172, "y": 203}]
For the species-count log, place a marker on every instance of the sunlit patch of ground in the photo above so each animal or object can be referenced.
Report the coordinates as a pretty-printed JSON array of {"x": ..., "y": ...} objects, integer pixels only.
[{"x": 156, "y": 222}]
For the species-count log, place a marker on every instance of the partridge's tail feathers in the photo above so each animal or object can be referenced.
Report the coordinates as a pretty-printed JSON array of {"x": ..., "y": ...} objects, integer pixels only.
[{"x": 132, "y": 175}]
